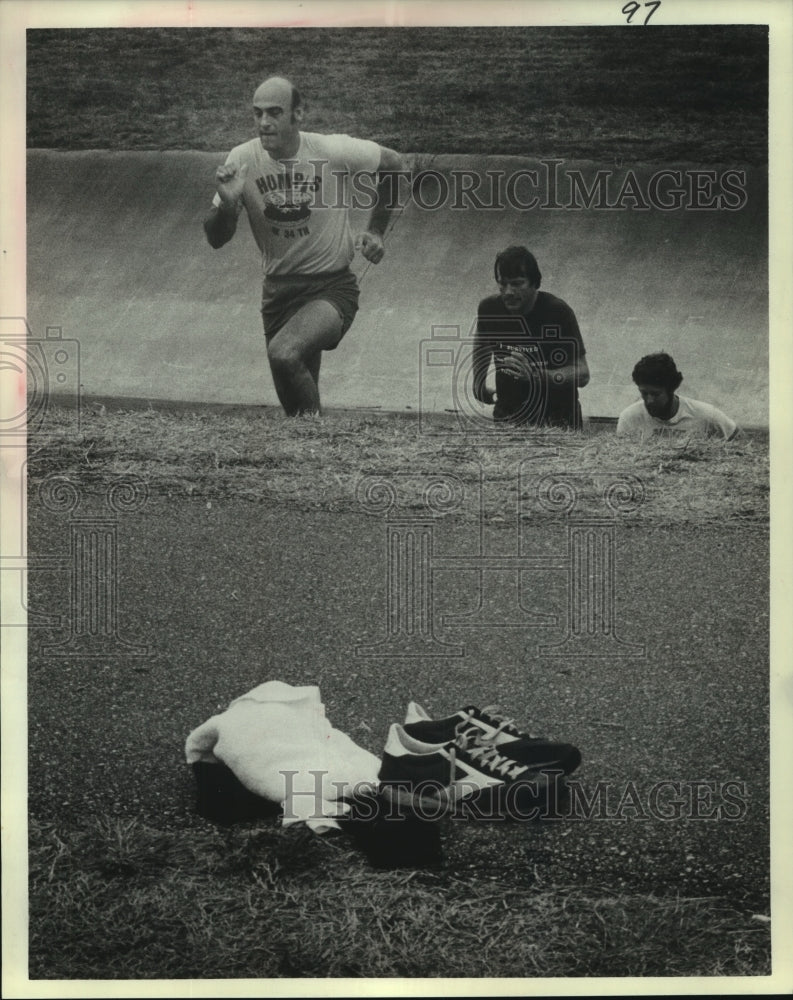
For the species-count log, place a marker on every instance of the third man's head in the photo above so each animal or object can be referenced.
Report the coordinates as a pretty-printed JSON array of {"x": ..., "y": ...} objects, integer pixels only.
[{"x": 657, "y": 378}]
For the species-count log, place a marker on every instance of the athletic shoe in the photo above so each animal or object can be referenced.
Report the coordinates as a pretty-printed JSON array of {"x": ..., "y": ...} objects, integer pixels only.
[
  {"x": 464, "y": 769},
  {"x": 535, "y": 752}
]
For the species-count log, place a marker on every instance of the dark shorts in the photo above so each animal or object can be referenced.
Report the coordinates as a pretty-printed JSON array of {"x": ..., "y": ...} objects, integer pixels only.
[{"x": 284, "y": 295}]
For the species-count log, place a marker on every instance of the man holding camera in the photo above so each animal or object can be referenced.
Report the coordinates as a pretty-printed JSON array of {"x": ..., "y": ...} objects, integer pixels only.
[{"x": 534, "y": 342}]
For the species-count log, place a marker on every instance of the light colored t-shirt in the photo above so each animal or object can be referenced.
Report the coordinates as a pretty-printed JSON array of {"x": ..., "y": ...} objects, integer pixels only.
[
  {"x": 280, "y": 745},
  {"x": 299, "y": 209},
  {"x": 692, "y": 417}
]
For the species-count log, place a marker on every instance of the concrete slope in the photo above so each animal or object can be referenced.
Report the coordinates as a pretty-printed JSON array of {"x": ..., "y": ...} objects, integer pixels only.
[{"x": 118, "y": 260}]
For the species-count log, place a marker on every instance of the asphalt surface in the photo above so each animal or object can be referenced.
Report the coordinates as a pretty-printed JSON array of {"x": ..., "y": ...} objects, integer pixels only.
[{"x": 227, "y": 594}]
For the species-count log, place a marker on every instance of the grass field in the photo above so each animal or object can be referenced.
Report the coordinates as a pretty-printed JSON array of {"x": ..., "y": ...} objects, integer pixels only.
[
  {"x": 663, "y": 95},
  {"x": 122, "y": 900},
  {"x": 315, "y": 463}
]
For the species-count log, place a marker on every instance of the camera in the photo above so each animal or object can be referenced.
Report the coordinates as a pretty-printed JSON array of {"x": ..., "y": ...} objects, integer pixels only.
[
  {"x": 446, "y": 380},
  {"x": 39, "y": 372}
]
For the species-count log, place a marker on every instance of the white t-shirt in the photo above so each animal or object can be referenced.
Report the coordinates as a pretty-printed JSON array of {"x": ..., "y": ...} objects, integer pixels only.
[
  {"x": 299, "y": 209},
  {"x": 692, "y": 417},
  {"x": 279, "y": 743}
]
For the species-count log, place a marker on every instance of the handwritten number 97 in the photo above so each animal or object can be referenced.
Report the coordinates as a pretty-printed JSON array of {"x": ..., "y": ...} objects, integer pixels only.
[{"x": 630, "y": 9}]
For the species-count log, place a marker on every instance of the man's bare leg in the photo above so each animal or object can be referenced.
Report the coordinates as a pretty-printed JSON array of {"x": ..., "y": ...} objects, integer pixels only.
[
  {"x": 295, "y": 354},
  {"x": 313, "y": 365}
]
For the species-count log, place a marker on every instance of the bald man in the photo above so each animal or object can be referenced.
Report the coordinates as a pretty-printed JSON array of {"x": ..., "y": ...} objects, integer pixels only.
[{"x": 297, "y": 189}]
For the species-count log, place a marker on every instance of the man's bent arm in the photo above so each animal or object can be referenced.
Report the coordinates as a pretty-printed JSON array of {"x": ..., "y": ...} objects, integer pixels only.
[
  {"x": 220, "y": 225},
  {"x": 576, "y": 374},
  {"x": 391, "y": 166},
  {"x": 522, "y": 367}
]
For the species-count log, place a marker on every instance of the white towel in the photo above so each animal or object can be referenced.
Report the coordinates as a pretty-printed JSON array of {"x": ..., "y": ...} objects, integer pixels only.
[{"x": 278, "y": 742}]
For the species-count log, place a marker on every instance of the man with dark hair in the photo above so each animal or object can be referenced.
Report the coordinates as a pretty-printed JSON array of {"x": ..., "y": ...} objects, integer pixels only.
[
  {"x": 296, "y": 188},
  {"x": 533, "y": 340},
  {"x": 661, "y": 410}
]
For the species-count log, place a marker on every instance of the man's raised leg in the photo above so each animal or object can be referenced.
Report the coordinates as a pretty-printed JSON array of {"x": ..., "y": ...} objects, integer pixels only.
[{"x": 295, "y": 353}]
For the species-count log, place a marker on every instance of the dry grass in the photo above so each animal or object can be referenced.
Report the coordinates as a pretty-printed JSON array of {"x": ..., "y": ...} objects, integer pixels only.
[
  {"x": 116, "y": 900},
  {"x": 319, "y": 463}
]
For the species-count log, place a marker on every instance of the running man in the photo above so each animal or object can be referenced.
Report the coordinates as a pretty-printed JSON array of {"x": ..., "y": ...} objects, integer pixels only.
[
  {"x": 533, "y": 339},
  {"x": 662, "y": 411},
  {"x": 297, "y": 188}
]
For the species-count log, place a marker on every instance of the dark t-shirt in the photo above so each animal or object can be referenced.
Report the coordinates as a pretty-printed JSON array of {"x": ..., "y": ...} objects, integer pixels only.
[{"x": 548, "y": 336}]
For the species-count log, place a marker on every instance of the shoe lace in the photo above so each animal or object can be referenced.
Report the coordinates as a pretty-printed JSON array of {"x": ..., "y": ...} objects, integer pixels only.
[
  {"x": 502, "y": 721},
  {"x": 484, "y": 754},
  {"x": 494, "y": 717}
]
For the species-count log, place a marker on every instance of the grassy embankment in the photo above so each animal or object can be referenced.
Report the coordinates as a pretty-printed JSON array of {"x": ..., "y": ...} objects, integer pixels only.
[{"x": 614, "y": 96}]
